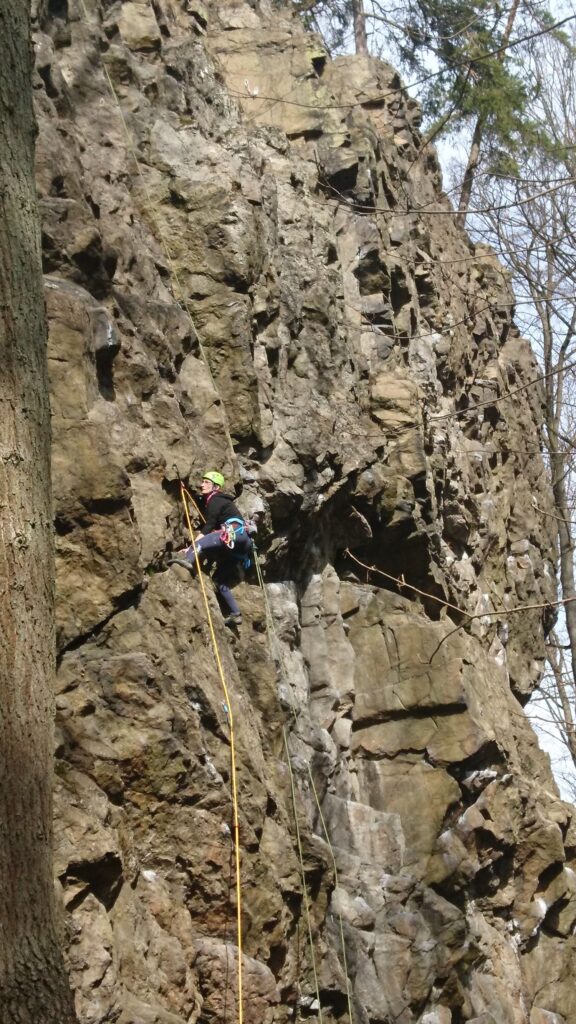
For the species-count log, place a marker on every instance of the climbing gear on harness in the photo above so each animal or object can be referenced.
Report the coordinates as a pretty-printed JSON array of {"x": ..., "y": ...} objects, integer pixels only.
[
  {"x": 231, "y": 529},
  {"x": 214, "y": 478}
]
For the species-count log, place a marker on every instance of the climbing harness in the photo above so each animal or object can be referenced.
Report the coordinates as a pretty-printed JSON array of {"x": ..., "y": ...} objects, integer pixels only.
[{"x": 231, "y": 529}]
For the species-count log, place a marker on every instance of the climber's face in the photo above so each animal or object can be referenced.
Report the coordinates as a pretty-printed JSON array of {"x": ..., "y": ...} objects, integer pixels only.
[{"x": 208, "y": 486}]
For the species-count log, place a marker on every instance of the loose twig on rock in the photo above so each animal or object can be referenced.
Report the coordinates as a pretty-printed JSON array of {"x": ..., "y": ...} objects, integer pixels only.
[{"x": 468, "y": 616}]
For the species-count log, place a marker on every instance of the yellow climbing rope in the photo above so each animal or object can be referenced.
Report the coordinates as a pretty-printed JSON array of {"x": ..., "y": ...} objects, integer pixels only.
[
  {"x": 184, "y": 491},
  {"x": 233, "y": 780}
]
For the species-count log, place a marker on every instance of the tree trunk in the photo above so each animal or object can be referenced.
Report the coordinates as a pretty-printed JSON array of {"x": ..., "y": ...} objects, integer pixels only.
[
  {"x": 478, "y": 134},
  {"x": 566, "y": 546},
  {"x": 470, "y": 173},
  {"x": 558, "y": 701},
  {"x": 33, "y": 984},
  {"x": 359, "y": 19}
]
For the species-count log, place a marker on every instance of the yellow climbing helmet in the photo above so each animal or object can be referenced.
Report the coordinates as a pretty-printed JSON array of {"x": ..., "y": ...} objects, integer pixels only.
[{"x": 215, "y": 478}]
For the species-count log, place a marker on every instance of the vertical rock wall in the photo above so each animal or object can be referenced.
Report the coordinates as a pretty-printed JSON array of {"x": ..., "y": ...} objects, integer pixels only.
[{"x": 250, "y": 265}]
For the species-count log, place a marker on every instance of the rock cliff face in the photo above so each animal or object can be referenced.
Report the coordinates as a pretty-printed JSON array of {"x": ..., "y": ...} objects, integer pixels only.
[{"x": 250, "y": 266}]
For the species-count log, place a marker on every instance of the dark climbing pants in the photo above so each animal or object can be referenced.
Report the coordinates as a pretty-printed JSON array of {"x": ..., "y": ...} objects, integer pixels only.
[{"x": 213, "y": 548}]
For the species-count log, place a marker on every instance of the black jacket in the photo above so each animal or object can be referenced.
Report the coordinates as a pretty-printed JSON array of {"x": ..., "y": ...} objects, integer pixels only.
[{"x": 218, "y": 509}]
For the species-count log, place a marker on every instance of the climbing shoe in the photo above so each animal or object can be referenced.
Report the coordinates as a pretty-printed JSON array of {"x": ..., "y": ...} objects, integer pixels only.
[
  {"x": 181, "y": 561},
  {"x": 233, "y": 620}
]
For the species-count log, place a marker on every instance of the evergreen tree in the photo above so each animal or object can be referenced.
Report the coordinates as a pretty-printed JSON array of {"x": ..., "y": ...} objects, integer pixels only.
[{"x": 468, "y": 59}]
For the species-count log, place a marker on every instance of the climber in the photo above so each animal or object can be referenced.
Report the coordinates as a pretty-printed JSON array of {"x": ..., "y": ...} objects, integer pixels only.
[{"x": 223, "y": 539}]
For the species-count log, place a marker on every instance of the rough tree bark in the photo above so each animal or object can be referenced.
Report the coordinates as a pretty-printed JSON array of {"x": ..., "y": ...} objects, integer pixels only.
[
  {"x": 560, "y": 467},
  {"x": 359, "y": 20},
  {"x": 33, "y": 983}
]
